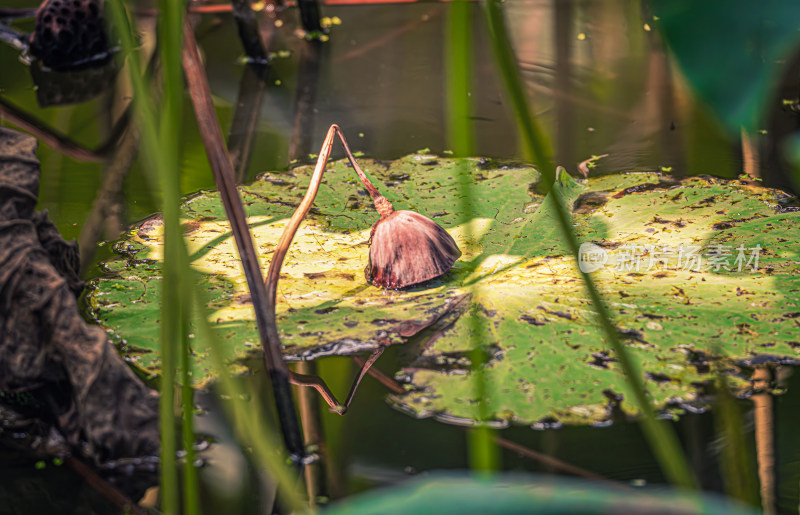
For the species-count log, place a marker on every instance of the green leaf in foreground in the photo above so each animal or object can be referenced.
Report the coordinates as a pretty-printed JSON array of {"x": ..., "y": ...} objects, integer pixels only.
[
  {"x": 525, "y": 494},
  {"x": 732, "y": 52},
  {"x": 548, "y": 360}
]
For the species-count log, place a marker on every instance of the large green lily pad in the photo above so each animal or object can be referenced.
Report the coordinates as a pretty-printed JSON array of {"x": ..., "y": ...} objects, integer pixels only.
[
  {"x": 325, "y": 305},
  {"x": 547, "y": 357},
  {"x": 550, "y": 363}
]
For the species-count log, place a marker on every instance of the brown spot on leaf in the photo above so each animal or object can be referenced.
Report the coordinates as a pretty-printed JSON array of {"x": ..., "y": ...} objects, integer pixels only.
[
  {"x": 531, "y": 320},
  {"x": 590, "y": 202},
  {"x": 659, "y": 378},
  {"x": 675, "y": 223},
  {"x": 663, "y": 184},
  {"x": 632, "y": 334},
  {"x": 190, "y": 226},
  {"x": 560, "y": 314},
  {"x": 384, "y": 321},
  {"x": 744, "y": 329}
]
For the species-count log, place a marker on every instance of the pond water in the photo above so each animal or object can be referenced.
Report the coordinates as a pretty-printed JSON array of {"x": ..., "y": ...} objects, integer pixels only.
[{"x": 598, "y": 79}]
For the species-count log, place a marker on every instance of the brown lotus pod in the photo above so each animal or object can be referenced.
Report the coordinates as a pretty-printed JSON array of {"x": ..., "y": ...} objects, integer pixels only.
[
  {"x": 70, "y": 34},
  {"x": 407, "y": 248}
]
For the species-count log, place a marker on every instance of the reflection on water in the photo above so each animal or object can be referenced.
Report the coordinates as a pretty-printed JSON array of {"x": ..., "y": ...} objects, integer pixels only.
[{"x": 598, "y": 78}]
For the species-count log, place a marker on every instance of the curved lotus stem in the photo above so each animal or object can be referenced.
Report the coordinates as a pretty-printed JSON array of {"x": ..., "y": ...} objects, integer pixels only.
[
  {"x": 302, "y": 210},
  {"x": 407, "y": 248}
]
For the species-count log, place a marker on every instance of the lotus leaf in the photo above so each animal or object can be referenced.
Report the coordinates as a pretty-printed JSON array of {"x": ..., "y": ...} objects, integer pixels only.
[
  {"x": 696, "y": 271},
  {"x": 523, "y": 494}
]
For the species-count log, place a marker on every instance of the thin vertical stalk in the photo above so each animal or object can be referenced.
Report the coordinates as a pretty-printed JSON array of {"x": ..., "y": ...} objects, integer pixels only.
[
  {"x": 110, "y": 193},
  {"x": 793, "y": 154},
  {"x": 750, "y": 154},
  {"x": 242, "y": 134},
  {"x": 305, "y": 100},
  {"x": 309, "y": 16},
  {"x": 173, "y": 294},
  {"x": 660, "y": 436},
  {"x": 160, "y": 138},
  {"x": 483, "y": 453},
  {"x": 458, "y": 66},
  {"x": 564, "y": 111},
  {"x": 765, "y": 439},
  {"x": 308, "y": 403},
  {"x": 248, "y": 31},
  {"x": 535, "y": 141}
]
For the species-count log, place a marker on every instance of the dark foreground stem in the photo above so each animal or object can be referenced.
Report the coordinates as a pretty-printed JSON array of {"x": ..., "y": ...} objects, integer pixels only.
[
  {"x": 309, "y": 15},
  {"x": 224, "y": 177}
]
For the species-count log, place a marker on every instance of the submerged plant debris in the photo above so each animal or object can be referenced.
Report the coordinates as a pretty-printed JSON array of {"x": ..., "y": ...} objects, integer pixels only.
[
  {"x": 66, "y": 370},
  {"x": 694, "y": 270}
]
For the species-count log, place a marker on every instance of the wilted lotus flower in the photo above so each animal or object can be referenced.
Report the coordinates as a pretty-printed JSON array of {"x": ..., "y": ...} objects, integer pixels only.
[{"x": 407, "y": 248}]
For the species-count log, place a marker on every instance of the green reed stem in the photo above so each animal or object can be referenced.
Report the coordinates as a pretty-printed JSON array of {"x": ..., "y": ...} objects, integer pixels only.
[
  {"x": 458, "y": 66},
  {"x": 534, "y": 138},
  {"x": 662, "y": 439},
  {"x": 170, "y": 38},
  {"x": 484, "y": 455},
  {"x": 160, "y": 138}
]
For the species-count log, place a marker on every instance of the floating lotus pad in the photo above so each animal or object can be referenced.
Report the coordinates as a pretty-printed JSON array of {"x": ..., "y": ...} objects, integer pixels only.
[{"x": 548, "y": 359}]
